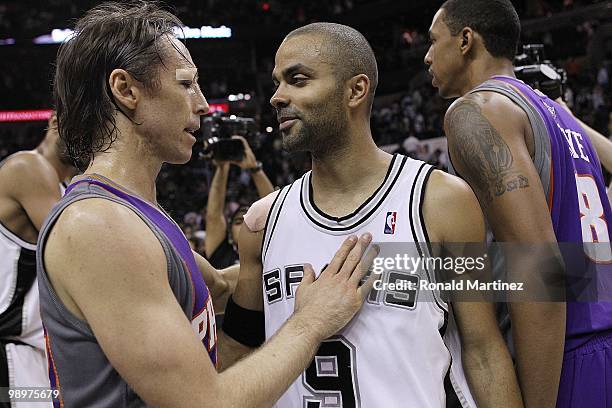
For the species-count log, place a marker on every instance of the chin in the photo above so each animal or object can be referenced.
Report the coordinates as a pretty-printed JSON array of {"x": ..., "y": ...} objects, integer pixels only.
[
  {"x": 446, "y": 94},
  {"x": 180, "y": 159}
]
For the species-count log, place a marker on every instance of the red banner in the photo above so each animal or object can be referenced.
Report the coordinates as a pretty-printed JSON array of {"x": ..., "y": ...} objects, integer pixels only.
[
  {"x": 45, "y": 114},
  {"x": 25, "y": 115}
]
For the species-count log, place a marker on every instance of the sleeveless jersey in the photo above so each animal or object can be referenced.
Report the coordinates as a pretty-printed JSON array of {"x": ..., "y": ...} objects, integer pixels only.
[
  {"x": 77, "y": 364},
  {"x": 19, "y": 308},
  {"x": 392, "y": 354},
  {"x": 572, "y": 179}
]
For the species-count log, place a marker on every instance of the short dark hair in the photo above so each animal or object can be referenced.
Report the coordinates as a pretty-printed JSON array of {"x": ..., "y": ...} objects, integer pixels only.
[
  {"x": 112, "y": 35},
  {"x": 348, "y": 48},
  {"x": 495, "y": 20}
]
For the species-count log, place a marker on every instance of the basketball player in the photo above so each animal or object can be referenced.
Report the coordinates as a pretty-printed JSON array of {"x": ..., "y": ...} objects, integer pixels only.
[
  {"x": 125, "y": 302},
  {"x": 538, "y": 180},
  {"x": 392, "y": 354},
  {"x": 30, "y": 184}
]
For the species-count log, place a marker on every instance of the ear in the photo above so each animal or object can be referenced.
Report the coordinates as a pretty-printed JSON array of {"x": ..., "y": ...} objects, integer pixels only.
[
  {"x": 359, "y": 86},
  {"x": 466, "y": 39},
  {"x": 52, "y": 124},
  {"x": 124, "y": 89}
]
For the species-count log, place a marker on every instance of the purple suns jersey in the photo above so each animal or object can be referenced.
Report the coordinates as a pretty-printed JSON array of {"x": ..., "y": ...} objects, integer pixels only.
[
  {"x": 78, "y": 367},
  {"x": 579, "y": 207}
]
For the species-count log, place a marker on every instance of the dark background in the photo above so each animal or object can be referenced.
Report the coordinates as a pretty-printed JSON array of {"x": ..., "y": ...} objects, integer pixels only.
[{"x": 577, "y": 35}]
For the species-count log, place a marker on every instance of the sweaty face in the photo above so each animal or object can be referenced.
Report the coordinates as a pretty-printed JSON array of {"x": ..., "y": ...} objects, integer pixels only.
[
  {"x": 171, "y": 113},
  {"x": 309, "y": 98},
  {"x": 444, "y": 58}
]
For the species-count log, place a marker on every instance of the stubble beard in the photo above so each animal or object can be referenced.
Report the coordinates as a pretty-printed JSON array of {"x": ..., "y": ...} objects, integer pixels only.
[{"x": 321, "y": 135}]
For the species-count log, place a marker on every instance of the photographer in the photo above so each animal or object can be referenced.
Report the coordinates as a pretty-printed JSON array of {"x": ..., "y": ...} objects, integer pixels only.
[{"x": 220, "y": 243}]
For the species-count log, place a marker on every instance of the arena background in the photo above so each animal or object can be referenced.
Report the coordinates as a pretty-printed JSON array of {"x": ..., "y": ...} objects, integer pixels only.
[{"x": 235, "y": 73}]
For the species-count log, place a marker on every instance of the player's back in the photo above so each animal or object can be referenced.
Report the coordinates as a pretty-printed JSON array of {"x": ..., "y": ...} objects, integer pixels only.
[
  {"x": 571, "y": 176},
  {"x": 392, "y": 353}
]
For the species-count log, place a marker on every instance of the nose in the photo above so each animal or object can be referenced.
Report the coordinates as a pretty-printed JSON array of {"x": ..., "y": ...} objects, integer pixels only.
[
  {"x": 201, "y": 104},
  {"x": 427, "y": 59},
  {"x": 279, "y": 99}
]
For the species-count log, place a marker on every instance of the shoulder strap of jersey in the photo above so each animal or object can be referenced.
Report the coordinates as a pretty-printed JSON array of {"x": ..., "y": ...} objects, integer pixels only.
[{"x": 272, "y": 219}]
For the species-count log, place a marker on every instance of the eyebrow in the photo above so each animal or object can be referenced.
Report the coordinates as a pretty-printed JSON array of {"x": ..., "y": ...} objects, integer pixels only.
[
  {"x": 184, "y": 74},
  {"x": 293, "y": 69}
]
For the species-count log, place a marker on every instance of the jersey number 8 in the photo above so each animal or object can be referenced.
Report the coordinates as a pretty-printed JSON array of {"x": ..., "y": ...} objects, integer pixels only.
[{"x": 594, "y": 226}]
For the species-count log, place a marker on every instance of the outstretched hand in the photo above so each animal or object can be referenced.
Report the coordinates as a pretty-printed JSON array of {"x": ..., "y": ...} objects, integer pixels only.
[{"x": 330, "y": 301}]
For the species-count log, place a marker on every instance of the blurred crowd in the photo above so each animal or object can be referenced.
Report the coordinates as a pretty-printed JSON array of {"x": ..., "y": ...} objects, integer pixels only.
[{"x": 406, "y": 116}]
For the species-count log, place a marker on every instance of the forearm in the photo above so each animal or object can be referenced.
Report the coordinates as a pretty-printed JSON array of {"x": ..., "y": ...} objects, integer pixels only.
[
  {"x": 491, "y": 375},
  {"x": 538, "y": 319},
  {"x": 230, "y": 351},
  {"x": 539, "y": 337},
  {"x": 218, "y": 188},
  {"x": 262, "y": 183},
  {"x": 260, "y": 379}
]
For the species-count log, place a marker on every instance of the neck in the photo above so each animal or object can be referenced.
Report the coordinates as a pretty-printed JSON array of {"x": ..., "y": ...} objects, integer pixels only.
[
  {"x": 482, "y": 70},
  {"x": 355, "y": 166},
  {"x": 129, "y": 163},
  {"x": 49, "y": 152}
]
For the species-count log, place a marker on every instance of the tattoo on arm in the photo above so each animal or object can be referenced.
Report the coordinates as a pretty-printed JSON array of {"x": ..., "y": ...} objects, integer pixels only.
[{"x": 483, "y": 153}]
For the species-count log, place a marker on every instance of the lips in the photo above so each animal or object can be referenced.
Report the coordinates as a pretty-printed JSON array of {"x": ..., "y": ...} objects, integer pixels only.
[
  {"x": 433, "y": 78},
  {"x": 192, "y": 129},
  {"x": 287, "y": 123}
]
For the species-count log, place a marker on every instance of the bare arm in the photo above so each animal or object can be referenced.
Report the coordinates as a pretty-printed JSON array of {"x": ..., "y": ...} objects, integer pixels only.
[
  {"x": 216, "y": 226},
  {"x": 262, "y": 182},
  {"x": 487, "y": 362},
  {"x": 33, "y": 183},
  {"x": 221, "y": 283},
  {"x": 144, "y": 332},
  {"x": 602, "y": 144},
  {"x": 486, "y": 135}
]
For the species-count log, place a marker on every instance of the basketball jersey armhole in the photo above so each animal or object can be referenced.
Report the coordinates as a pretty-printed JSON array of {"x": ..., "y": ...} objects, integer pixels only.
[
  {"x": 44, "y": 234},
  {"x": 257, "y": 215}
]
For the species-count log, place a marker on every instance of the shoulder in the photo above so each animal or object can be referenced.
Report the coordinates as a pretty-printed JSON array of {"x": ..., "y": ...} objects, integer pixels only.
[
  {"x": 97, "y": 227},
  {"x": 483, "y": 104},
  {"x": 256, "y": 217},
  {"x": 29, "y": 170},
  {"x": 446, "y": 192},
  {"x": 27, "y": 160},
  {"x": 451, "y": 209}
]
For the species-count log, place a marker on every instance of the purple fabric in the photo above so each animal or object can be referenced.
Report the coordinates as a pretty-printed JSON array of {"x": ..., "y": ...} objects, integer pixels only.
[
  {"x": 584, "y": 319},
  {"x": 201, "y": 298},
  {"x": 586, "y": 379}
]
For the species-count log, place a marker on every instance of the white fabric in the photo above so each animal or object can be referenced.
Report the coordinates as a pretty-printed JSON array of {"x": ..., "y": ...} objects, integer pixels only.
[
  {"x": 27, "y": 368},
  {"x": 397, "y": 355}
]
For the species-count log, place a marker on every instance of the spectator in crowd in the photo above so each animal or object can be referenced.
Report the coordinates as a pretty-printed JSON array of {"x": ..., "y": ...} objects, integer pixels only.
[{"x": 220, "y": 242}]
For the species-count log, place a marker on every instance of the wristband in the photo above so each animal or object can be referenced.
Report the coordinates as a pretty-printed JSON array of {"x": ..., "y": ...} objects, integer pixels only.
[
  {"x": 257, "y": 168},
  {"x": 243, "y": 325}
]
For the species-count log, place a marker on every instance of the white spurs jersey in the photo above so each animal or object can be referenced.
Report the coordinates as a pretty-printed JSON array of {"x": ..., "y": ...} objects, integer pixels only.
[
  {"x": 392, "y": 354},
  {"x": 19, "y": 306}
]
